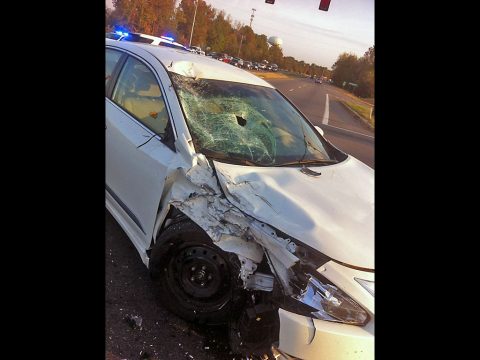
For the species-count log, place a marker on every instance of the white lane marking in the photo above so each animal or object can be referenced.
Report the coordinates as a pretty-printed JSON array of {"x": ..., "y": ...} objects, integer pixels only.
[
  {"x": 326, "y": 113},
  {"x": 299, "y": 87},
  {"x": 350, "y": 131},
  {"x": 290, "y": 90}
]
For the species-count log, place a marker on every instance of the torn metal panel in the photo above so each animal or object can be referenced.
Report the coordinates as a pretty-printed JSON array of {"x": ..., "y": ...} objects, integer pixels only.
[
  {"x": 196, "y": 193},
  {"x": 260, "y": 281},
  {"x": 248, "y": 249},
  {"x": 278, "y": 247},
  {"x": 282, "y": 273},
  {"x": 248, "y": 267}
]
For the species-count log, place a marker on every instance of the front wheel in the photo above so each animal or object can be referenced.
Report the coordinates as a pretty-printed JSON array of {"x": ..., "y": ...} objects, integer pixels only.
[{"x": 197, "y": 280}]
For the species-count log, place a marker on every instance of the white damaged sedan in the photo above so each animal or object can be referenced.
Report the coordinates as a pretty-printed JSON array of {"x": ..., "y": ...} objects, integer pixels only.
[{"x": 242, "y": 211}]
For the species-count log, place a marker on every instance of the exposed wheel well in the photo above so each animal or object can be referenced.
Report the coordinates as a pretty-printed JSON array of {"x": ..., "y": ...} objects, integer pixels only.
[{"x": 173, "y": 216}]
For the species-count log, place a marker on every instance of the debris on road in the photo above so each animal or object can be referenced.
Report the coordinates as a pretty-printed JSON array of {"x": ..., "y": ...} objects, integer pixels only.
[
  {"x": 135, "y": 322},
  {"x": 144, "y": 355}
]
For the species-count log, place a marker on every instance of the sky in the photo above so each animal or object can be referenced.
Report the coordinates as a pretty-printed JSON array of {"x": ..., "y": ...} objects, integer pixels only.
[{"x": 308, "y": 34}]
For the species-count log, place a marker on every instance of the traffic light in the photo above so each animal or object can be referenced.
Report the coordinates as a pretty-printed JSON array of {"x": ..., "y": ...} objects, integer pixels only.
[
  {"x": 270, "y": 1},
  {"x": 324, "y": 4}
]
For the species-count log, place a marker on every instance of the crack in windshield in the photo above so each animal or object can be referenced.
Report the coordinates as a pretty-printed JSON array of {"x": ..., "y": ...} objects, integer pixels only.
[{"x": 248, "y": 123}]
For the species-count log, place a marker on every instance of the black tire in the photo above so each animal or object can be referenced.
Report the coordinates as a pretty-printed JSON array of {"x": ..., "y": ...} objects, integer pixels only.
[{"x": 197, "y": 280}]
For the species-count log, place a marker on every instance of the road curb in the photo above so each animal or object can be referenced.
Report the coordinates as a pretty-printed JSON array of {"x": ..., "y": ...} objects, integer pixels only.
[
  {"x": 348, "y": 132},
  {"x": 357, "y": 115}
]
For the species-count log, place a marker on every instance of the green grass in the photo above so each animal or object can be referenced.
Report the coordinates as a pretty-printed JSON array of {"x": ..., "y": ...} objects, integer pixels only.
[
  {"x": 362, "y": 110},
  {"x": 269, "y": 75},
  {"x": 292, "y": 74}
]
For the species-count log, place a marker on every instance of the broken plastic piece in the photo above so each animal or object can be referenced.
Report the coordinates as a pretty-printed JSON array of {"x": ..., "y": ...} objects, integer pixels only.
[{"x": 134, "y": 321}]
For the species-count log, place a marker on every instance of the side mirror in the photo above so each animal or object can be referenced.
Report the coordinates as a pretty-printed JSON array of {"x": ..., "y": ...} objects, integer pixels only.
[{"x": 319, "y": 129}]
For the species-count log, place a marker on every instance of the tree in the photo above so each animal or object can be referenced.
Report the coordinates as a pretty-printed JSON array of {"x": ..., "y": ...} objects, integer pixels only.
[
  {"x": 216, "y": 35},
  {"x": 275, "y": 54},
  {"x": 370, "y": 55},
  {"x": 147, "y": 16},
  {"x": 344, "y": 69},
  {"x": 203, "y": 20},
  {"x": 349, "y": 68}
]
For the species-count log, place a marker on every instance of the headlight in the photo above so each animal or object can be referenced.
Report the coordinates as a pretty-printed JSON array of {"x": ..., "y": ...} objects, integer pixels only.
[
  {"x": 327, "y": 302},
  {"x": 367, "y": 285}
]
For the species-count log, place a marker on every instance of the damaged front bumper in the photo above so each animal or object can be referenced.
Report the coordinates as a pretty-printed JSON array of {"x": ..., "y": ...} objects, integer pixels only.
[
  {"x": 198, "y": 193},
  {"x": 305, "y": 338}
]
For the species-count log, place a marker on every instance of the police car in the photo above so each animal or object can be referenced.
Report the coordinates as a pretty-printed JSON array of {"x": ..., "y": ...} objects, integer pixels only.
[{"x": 146, "y": 39}]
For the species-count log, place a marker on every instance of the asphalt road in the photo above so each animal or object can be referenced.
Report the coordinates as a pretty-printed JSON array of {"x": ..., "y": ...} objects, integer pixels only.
[{"x": 130, "y": 293}]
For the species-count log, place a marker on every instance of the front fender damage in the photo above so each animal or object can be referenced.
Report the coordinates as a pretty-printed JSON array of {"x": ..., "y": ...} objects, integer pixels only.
[{"x": 196, "y": 192}]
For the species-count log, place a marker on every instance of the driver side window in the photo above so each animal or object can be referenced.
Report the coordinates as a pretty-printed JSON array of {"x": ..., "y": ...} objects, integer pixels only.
[{"x": 138, "y": 92}]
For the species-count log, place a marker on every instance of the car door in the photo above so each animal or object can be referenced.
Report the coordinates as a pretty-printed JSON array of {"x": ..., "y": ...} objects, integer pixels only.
[{"x": 139, "y": 147}]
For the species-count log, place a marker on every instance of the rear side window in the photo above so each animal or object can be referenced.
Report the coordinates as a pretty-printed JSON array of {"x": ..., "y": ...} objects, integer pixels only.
[
  {"x": 111, "y": 59},
  {"x": 138, "y": 92}
]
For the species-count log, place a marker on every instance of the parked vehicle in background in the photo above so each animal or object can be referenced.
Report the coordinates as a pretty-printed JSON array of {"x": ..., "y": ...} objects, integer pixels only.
[
  {"x": 262, "y": 66},
  {"x": 318, "y": 80},
  {"x": 216, "y": 55},
  {"x": 274, "y": 67},
  {"x": 225, "y": 58},
  {"x": 247, "y": 65},
  {"x": 197, "y": 49},
  {"x": 237, "y": 62},
  {"x": 255, "y": 66}
]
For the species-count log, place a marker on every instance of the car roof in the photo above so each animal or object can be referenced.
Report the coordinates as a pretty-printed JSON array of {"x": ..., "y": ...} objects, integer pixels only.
[{"x": 193, "y": 65}]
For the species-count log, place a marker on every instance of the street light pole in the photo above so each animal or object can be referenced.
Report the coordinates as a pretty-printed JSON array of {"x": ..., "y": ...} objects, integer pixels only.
[
  {"x": 252, "y": 16},
  {"x": 240, "y": 47},
  {"x": 193, "y": 24}
]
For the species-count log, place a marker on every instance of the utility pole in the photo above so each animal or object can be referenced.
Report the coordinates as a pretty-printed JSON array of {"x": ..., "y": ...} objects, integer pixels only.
[
  {"x": 240, "y": 47},
  {"x": 193, "y": 24},
  {"x": 251, "y": 17}
]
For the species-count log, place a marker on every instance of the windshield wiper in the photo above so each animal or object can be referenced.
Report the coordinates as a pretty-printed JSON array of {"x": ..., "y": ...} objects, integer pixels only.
[
  {"x": 309, "y": 162},
  {"x": 214, "y": 155}
]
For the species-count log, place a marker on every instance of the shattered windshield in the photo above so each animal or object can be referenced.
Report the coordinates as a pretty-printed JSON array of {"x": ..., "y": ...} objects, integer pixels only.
[{"x": 247, "y": 124}]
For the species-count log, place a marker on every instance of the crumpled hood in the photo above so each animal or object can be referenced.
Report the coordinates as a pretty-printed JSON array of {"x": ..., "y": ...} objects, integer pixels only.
[{"x": 333, "y": 212}]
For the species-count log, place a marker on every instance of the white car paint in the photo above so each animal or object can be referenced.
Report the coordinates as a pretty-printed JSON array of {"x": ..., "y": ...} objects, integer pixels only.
[
  {"x": 337, "y": 220},
  {"x": 332, "y": 213}
]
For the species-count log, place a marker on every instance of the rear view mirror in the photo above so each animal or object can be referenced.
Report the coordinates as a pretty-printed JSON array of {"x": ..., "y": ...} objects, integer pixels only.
[{"x": 319, "y": 129}]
